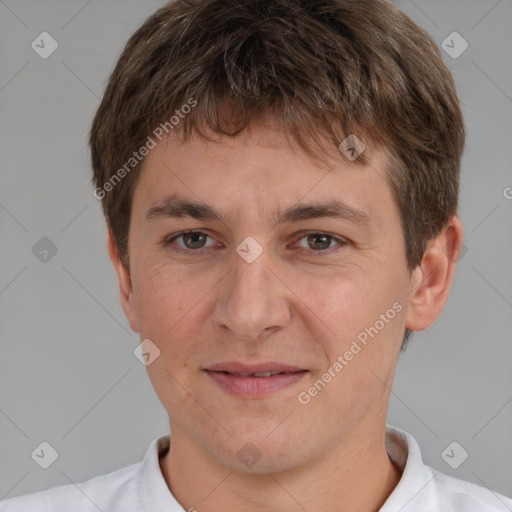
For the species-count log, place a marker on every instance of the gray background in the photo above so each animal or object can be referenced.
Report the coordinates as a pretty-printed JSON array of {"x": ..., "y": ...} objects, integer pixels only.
[{"x": 68, "y": 375}]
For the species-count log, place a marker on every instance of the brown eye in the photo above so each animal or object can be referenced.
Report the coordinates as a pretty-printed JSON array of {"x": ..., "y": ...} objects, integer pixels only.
[
  {"x": 189, "y": 241},
  {"x": 194, "y": 240},
  {"x": 318, "y": 241},
  {"x": 320, "y": 244}
]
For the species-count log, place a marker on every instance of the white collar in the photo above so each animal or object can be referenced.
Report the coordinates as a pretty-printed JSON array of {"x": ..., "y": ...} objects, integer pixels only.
[{"x": 418, "y": 489}]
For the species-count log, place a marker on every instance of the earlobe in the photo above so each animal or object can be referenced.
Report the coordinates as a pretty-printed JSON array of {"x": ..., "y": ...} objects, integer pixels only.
[
  {"x": 125, "y": 282},
  {"x": 432, "y": 280}
]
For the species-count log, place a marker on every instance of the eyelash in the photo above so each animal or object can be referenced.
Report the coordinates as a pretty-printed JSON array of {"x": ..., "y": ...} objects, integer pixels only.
[{"x": 341, "y": 243}]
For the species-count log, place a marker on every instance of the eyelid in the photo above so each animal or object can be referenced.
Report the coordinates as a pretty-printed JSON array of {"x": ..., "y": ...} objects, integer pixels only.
[
  {"x": 171, "y": 238},
  {"x": 298, "y": 236},
  {"x": 303, "y": 233},
  {"x": 342, "y": 241}
]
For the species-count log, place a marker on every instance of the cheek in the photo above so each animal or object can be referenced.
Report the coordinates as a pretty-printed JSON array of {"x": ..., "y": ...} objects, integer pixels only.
[
  {"x": 345, "y": 305},
  {"x": 165, "y": 303},
  {"x": 361, "y": 321}
]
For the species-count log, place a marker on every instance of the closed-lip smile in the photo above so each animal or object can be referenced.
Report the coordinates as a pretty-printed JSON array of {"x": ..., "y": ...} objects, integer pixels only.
[{"x": 254, "y": 380}]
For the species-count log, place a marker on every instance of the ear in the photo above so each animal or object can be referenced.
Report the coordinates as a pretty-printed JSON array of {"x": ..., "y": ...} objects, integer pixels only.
[
  {"x": 125, "y": 282},
  {"x": 432, "y": 279}
]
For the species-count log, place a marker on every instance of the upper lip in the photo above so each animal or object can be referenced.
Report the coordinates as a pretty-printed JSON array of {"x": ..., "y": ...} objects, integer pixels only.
[{"x": 235, "y": 367}]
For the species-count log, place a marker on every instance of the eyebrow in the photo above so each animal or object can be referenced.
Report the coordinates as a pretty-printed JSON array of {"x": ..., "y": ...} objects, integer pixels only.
[{"x": 178, "y": 207}]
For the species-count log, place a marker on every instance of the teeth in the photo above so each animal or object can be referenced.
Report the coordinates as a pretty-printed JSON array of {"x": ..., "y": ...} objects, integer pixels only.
[{"x": 264, "y": 374}]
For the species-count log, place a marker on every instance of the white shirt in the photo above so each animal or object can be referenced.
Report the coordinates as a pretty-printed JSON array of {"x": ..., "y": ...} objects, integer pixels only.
[{"x": 141, "y": 487}]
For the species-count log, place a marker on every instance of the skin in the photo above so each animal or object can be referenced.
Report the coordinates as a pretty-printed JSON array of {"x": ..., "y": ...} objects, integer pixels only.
[{"x": 294, "y": 304}]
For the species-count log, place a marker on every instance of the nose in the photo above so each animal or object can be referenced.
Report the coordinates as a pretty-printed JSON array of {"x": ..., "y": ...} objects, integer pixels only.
[{"x": 253, "y": 300}]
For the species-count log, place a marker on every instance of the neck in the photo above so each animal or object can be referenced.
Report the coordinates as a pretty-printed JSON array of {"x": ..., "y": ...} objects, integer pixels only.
[{"x": 356, "y": 475}]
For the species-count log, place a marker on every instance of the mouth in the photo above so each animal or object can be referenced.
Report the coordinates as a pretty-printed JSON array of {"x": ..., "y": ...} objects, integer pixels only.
[
  {"x": 258, "y": 374},
  {"x": 254, "y": 381}
]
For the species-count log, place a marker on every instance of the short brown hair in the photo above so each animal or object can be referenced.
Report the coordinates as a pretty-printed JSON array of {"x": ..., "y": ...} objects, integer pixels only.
[{"x": 323, "y": 68}]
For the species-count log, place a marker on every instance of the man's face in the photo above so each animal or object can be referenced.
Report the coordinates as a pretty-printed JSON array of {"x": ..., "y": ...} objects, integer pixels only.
[{"x": 321, "y": 285}]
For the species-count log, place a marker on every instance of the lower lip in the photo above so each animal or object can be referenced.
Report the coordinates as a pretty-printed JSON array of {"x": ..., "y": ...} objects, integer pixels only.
[{"x": 255, "y": 387}]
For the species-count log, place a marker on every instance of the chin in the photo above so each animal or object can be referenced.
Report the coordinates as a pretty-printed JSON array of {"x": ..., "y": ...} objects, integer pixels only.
[{"x": 261, "y": 453}]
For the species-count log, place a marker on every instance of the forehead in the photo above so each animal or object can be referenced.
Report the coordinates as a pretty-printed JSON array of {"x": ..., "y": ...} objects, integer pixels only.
[{"x": 263, "y": 168}]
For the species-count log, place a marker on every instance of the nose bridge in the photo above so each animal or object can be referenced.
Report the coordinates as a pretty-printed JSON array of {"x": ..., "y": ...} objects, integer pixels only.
[
  {"x": 250, "y": 278},
  {"x": 252, "y": 300}
]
